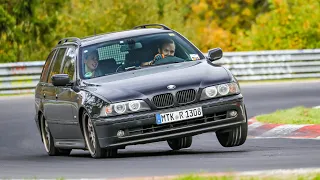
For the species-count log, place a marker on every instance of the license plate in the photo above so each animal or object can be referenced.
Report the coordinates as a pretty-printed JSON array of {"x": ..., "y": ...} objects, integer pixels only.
[{"x": 179, "y": 115}]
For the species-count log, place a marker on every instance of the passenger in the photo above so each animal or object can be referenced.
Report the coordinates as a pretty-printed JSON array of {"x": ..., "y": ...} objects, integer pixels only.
[
  {"x": 165, "y": 49},
  {"x": 91, "y": 63}
]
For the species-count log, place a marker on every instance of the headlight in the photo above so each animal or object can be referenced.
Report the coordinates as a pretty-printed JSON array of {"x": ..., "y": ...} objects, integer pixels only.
[
  {"x": 124, "y": 108},
  {"x": 223, "y": 89},
  {"x": 220, "y": 90},
  {"x": 211, "y": 91},
  {"x": 134, "y": 105},
  {"x": 120, "y": 108}
]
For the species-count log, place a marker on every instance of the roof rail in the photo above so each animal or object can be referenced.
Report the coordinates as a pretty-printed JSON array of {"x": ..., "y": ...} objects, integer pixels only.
[
  {"x": 145, "y": 26},
  {"x": 70, "y": 39}
]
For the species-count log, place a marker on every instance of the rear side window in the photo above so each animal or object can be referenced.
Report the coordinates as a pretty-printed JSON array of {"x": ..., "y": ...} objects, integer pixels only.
[
  {"x": 44, "y": 74},
  {"x": 57, "y": 63}
]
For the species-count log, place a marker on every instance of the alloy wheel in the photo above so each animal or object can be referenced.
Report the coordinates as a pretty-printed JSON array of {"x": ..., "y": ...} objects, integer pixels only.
[{"x": 89, "y": 134}]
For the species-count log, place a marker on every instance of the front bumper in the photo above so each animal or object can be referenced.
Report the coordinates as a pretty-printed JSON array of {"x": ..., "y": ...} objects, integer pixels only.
[{"x": 141, "y": 128}]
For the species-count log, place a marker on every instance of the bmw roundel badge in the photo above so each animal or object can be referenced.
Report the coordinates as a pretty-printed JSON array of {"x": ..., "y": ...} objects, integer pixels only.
[{"x": 171, "y": 87}]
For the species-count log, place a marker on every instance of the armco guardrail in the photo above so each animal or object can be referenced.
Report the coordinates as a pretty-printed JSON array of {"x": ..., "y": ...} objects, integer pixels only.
[
  {"x": 252, "y": 65},
  {"x": 19, "y": 77}
]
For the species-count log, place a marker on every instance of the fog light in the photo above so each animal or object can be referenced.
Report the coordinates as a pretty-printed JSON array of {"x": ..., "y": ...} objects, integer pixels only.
[
  {"x": 120, "y": 133},
  {"x": 233, "y": 113}
]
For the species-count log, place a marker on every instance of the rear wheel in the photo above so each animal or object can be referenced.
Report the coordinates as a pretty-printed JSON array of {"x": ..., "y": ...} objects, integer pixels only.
[
  {"x": 92, "y": 142},
  {"x": 235, "y": 136},
  {"x": 179, "y": 143},
  {"x": 48, "y": 142}
]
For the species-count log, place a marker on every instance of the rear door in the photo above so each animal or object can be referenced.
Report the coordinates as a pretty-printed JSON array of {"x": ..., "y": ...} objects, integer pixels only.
[
  {"x": 43, "y": 82},
  {"x": 39, "y": 95}
]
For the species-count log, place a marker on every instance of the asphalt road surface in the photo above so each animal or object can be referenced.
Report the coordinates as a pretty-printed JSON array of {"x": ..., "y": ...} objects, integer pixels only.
[{"x": 23, "y": 156}]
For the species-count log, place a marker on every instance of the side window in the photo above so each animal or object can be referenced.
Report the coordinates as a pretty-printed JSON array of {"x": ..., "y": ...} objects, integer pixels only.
[
  {"x": 57, "y": 63},
  {"x": 45, "y": 69},
  {"x": 68, "y": 66}
]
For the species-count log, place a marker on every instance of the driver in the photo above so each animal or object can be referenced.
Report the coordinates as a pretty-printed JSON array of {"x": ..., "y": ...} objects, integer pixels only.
[{"x": 166, "y": 48}]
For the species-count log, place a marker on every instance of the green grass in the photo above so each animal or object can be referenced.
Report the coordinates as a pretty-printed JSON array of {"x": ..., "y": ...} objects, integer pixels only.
[
  {"x": 307, "y": 176},
  {"x": 295, "y": 115}
]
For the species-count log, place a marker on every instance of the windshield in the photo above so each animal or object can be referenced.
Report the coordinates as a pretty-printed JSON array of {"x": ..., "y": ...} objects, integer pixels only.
[{"x": 135, "y": 53}]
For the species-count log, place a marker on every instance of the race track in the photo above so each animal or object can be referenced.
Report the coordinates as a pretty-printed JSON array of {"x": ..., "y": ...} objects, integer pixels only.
[{"x": 23, "y": 156}]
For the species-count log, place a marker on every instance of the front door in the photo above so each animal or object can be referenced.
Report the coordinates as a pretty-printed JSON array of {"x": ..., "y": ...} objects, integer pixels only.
[
  {"x": 67, "y": 101},
  {"x": 52, "y": 111}
]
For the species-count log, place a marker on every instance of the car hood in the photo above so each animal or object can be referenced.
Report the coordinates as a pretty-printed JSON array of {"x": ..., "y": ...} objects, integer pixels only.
[{"x": 147, "y": 82}]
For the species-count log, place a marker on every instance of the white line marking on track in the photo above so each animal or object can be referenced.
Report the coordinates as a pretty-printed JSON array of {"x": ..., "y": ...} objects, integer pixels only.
[
  {"x": 281, "y": 171},
  {"x": 281, "y": 130},
  {"x": 255, "y": 125}
]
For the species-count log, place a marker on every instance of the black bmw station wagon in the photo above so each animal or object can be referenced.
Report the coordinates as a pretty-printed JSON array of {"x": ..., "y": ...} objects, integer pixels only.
[{"x": 147, "y": 84}]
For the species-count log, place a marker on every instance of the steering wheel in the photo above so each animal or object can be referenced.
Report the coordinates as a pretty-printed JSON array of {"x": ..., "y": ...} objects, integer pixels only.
[{"x": 168, "y": 59}]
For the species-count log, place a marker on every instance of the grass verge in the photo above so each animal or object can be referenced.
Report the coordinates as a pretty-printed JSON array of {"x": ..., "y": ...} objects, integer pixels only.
[
  {"x": 308, "y": 176},
  {"x": 295, "y": 115}
]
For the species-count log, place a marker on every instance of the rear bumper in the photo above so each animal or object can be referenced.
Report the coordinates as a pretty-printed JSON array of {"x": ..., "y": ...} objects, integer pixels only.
[{"x": 142, "y": 128}]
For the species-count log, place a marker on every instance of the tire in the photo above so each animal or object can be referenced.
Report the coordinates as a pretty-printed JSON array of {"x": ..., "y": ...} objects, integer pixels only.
[
  {"x": 48, "y": 141},
  {"x": 235, "y": 136},
  {"x": 179, "y": 143},
  {"x": 91, "y": 140}
]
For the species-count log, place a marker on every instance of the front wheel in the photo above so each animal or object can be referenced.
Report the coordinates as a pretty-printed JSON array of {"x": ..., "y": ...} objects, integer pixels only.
[
  {"x": 179, "y": 143},
  {"x": 235, "y": 136},
  {"x": 48, "y": 142},
  {"x": 91, "y": 140}
]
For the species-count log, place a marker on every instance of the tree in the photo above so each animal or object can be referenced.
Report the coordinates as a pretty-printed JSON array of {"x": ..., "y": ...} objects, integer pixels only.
[
  {"x": 27, "y": 25},
  {"x": 216, "y": 23},
  {"x": 84, "y": 18},
  {"x": 288, "y": 25}
]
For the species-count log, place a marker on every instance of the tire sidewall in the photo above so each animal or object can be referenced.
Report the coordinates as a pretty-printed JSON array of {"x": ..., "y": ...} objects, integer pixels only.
[
  {"x": 51, "y": 150},
  {"x": 98, "y": 152}
]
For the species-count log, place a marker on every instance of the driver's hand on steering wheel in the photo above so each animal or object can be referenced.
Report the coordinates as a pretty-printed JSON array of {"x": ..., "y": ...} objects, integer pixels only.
[{"x": 156, "y": 58}]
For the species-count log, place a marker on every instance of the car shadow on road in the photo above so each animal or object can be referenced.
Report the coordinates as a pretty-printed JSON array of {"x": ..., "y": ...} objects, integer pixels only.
[{"x": 135, "y": 154}]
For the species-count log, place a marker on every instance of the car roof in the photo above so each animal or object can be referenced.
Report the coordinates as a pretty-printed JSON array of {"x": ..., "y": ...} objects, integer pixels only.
[{"x": 86, "y": 41}]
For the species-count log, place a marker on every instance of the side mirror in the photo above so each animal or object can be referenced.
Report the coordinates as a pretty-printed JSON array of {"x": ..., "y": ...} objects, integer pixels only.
[
  {"x": 215, "y": 54},
  {"x": 60, "y": 79}
]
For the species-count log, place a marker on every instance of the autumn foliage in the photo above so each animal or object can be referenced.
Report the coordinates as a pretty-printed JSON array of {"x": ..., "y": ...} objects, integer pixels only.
[{"x": 29, "y": 29}]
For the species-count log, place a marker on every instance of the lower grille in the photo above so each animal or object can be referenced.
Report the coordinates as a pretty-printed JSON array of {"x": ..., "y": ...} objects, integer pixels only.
[{"x": 155, "y": 128}]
